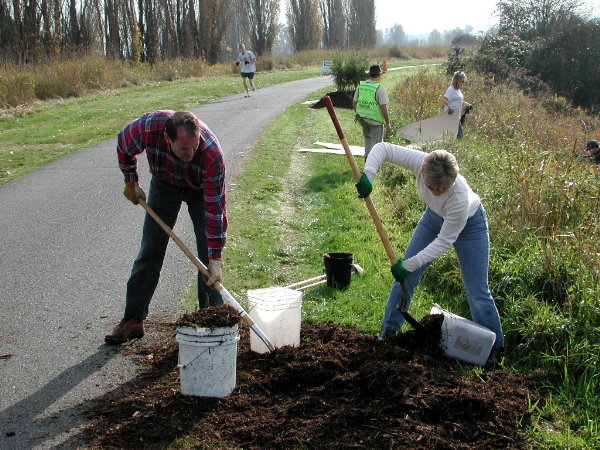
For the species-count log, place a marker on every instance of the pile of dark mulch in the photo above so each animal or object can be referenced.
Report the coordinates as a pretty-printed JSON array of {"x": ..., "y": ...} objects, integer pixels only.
[
  {"x": 211, "y": 317},
  {"x": 339, "y": 99},
  {"x": 338, "y": 389}
]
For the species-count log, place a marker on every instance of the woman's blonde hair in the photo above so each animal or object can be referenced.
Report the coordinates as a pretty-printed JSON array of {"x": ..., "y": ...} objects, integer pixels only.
[
  {"x": 440, "y": 168},
  {"x": 458, "y": 76}
]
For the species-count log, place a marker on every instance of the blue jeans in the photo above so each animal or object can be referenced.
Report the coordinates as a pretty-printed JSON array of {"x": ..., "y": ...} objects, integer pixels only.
[
  {"x": 165, "y": 199},
  {"x": 473, "y": 250}
]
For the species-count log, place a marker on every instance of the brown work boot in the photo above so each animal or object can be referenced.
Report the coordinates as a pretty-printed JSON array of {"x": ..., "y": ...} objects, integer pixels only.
[{"x": 127, "y": 329}]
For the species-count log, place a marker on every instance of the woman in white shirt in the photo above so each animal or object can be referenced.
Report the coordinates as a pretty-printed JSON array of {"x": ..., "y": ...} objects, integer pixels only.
[
  {"x": 454, "y": 217},
  {"x": 453, "y": 98}
]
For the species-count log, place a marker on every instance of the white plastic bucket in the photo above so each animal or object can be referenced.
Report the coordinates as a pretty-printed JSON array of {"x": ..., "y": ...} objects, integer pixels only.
[
  {"x": 278, "y": 312},
  {"x": 464, "y": 339},
  {"x": 207, "y": 360}
]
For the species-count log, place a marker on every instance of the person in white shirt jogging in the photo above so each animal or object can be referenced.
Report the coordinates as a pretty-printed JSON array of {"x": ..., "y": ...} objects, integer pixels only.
[
  {"x": 247, "y": 61},
  {"x": 454, "y": 217},
  {"x": 453, "y": 99}
]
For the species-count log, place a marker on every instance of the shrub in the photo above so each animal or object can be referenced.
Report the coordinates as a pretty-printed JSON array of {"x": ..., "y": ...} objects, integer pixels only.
[
  {"x": 59, "y": 80},
  {"x": 98, "y": 73},
  {"x": 16, "y": 88},
  {"x": 264, "y": 63},
  {"x": 419, "y": 96},
  {"x": 349, "y": 71}
]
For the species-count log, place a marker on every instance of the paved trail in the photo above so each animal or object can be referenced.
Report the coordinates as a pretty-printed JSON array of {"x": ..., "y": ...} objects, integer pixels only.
[{"x": 68, "y": 239}]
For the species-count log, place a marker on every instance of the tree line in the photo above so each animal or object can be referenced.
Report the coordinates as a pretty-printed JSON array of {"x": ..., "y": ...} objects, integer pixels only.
[{"x": 150, "y": 30}]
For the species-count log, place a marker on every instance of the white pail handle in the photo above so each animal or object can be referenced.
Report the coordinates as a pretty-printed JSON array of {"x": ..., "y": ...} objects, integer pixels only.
[{"x": 183, "y": 366}]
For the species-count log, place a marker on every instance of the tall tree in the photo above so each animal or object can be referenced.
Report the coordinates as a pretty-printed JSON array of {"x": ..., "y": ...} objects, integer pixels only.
[
  {"x": 334, "y": 23},
  {"x": 533, "y": 18},
  {"x": 361, "y": 24},
  {"x": 435, "y": 39},
  {"x": 396, "y": 35},
  {"x": 260, "y": 18},
  {"x": 304, "y": 24},
  {"x": 214, "y": 17},
  {"x": 112, "y": 22}
]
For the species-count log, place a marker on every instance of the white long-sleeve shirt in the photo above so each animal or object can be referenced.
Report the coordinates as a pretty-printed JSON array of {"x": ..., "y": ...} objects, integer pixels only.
[{"x": 455, "y": 205}]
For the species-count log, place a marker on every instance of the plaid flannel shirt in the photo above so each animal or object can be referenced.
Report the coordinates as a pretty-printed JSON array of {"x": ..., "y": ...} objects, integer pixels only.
[{"x": 206, "y": 171}]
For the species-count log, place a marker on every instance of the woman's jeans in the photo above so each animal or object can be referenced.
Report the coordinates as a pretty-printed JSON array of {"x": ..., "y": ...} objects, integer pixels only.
[
  {"x": 165, "y": 199},
  {"x": 472, "y": 248}
]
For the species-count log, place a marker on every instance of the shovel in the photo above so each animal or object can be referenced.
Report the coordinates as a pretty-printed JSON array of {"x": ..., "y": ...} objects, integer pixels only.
[
  {"x": 402, "y": 307},
  {"x": 202, "y": 268}
]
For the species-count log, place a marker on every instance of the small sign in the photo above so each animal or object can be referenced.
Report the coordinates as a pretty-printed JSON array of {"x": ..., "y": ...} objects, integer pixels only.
[{"x": 327, "y": 67}]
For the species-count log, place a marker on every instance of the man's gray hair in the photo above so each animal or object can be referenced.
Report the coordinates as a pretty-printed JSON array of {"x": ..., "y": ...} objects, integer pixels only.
[{"x": 440, "y": 168}]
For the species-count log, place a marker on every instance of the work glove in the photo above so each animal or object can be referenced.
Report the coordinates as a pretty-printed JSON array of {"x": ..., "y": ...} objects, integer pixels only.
[
  {"x": 399, "y": 271},
  {"x": 450, "y": 111},
  {"x": 215, "y": 267},
  {"x": 237, "y": 63},
  {"x": 468, "y": 107},
  {"x": 364, "y": 186},
  {"x": 133, "y": 191}
]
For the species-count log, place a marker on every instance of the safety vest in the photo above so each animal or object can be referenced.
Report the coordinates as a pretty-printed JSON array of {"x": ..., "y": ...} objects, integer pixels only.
[{"x": 367, "y": 105}]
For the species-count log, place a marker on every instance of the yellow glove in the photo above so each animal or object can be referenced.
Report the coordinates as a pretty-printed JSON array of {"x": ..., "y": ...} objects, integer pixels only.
[
  {"x": 133, "y": 191},
  {"x": 215, "y": 267}
]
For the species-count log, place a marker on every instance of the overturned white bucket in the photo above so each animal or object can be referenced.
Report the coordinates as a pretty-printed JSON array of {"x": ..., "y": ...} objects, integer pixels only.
[
  {"x": 464, "y": 339},
  {"x": 278, "y": 312},
  {"x": 207, "y": 360}
]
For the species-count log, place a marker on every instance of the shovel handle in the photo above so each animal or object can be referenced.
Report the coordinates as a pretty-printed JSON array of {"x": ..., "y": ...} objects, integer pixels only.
[
  {"x": 203, "y": 269},
  {"x": 356, "y": 171}
]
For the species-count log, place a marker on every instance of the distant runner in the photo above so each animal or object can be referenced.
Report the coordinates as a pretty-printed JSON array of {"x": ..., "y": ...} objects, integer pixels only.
[{"x": 247, "y": 61}]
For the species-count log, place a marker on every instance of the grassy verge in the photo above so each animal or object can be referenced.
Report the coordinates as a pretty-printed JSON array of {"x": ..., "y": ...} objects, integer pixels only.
[{"x": 291, "y": 207}]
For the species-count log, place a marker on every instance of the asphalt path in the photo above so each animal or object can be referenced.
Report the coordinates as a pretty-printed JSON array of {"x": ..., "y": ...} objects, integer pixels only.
[{"x": 68, "y": 239}]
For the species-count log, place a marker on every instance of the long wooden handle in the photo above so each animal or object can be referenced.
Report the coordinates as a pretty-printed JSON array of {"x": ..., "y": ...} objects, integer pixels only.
[
  {"x": 382, "y": 234},
  {"x": 203, "y": 269}
]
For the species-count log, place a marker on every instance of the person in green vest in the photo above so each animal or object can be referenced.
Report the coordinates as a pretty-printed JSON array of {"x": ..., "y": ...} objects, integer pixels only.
[{"x": 371, "y": 106}]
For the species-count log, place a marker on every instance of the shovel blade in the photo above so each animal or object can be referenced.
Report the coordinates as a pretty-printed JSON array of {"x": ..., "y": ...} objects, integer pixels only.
[{"x": 413, "y": 322}]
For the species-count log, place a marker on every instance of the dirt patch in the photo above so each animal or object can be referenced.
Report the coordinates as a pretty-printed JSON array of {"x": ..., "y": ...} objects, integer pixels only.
[
  {"x": 338, "y": 389},
  {"x": 339, "y": 99}
]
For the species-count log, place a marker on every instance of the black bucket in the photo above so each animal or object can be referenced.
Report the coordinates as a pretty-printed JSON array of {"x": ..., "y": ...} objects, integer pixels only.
[{"x": 338, "y": 268}]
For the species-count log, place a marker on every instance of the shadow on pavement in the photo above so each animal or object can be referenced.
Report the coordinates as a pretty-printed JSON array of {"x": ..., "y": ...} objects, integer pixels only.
[{"x": 20, "y": 425}]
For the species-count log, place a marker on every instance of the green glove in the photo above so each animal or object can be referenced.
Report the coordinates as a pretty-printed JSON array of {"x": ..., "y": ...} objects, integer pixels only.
[
  {"x": 364, "y": 186},
  {"x": 399, "y": 272},
  {"x": 450, "y": 111}
]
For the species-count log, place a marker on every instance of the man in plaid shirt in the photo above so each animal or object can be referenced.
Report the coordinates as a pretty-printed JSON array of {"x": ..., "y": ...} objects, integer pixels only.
[{"x": 187, "y": 165}]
